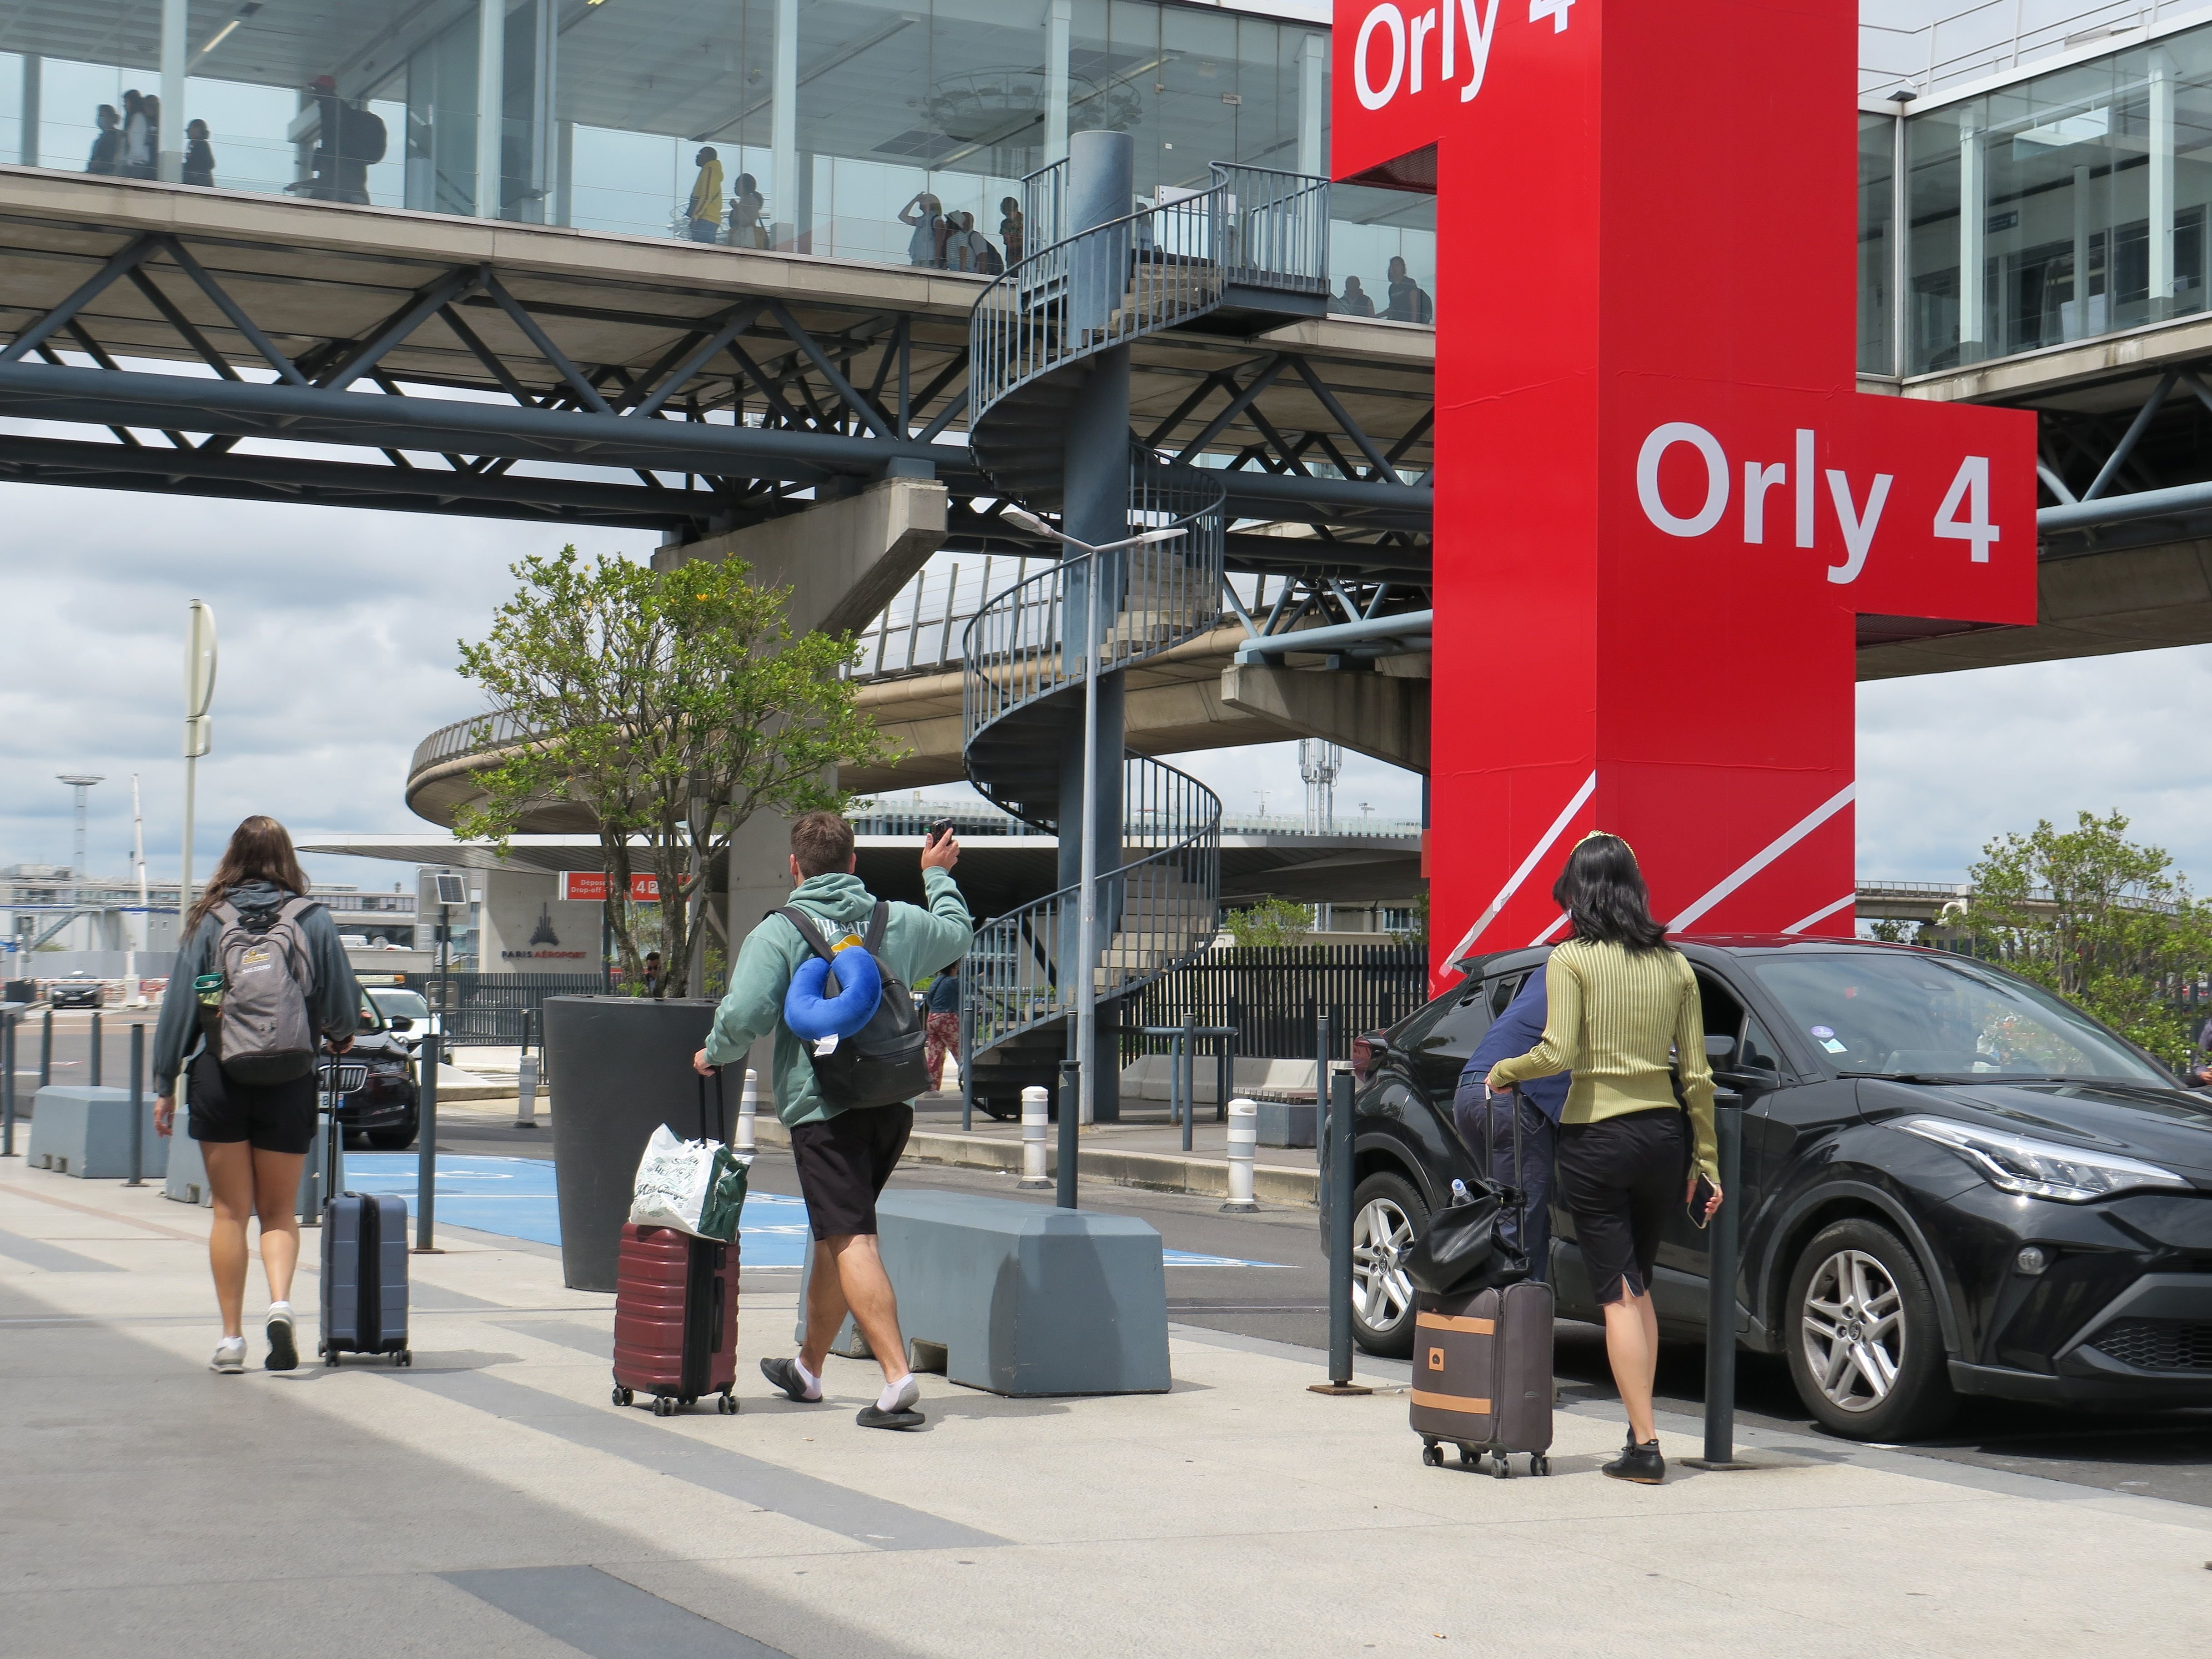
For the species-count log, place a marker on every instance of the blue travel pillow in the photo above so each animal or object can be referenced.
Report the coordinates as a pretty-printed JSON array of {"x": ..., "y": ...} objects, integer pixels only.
[{"x": 812, "y": 1016}]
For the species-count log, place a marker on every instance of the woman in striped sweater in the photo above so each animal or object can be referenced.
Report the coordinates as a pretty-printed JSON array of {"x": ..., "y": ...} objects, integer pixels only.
[{"x": 1623, "y": 1016}]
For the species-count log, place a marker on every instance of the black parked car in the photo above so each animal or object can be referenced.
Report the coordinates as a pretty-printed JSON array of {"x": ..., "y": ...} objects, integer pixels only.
[
  {"x": 1954, "y": 1184},
  {"x": 378, "y": 1101},
  {"x": 77, "y": 991}
]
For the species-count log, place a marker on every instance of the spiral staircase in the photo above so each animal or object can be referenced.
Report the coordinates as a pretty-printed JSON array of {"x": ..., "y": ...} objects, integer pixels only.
[{"x": 1238, "y": 256}]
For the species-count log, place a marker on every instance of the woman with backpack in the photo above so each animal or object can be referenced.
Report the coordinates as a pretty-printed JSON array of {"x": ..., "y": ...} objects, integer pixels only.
[
  {"x": 1623, "y": 1014},
  {"x": 260, "y": 974}
]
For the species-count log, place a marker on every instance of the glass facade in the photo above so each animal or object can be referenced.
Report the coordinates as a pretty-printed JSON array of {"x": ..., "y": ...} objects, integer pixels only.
[
  {"x": 856, "y": 129},
  {"x": 2063, "y": 206}
]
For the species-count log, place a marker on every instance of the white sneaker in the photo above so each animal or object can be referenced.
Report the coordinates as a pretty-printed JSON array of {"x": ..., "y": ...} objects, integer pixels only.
[
  {"x": 229, "y": 1356},
  {"x": 283, "y": 1355}
]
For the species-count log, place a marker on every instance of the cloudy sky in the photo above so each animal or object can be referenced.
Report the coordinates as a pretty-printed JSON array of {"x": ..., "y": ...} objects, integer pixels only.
[{"x": 338, "y": 633}]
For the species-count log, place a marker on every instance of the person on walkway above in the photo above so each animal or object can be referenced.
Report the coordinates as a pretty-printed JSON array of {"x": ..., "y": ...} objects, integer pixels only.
[
  {"x": 255, "y": 918},
  {"x": 1354, "y": 301},
  {"x": 1483, "y": 1123},
  {"x": 926, "y": 247},
  {"x": 844, "y": 1154},
  {"x": 107, "y": 155},
  {"x": 1624, "y": 1016},
  {"x": 199, "y": 155},
  {"x": 1011, "y": 231},
  {"x": 705, "y": 208},
  {"x": 1408, "y": 302}
]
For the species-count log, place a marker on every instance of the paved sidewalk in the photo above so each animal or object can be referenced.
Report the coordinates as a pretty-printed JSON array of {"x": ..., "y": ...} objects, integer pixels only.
[{"x": 492, "y": 1501}]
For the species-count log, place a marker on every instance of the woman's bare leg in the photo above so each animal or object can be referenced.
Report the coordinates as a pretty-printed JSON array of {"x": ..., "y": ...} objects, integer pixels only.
[
  {"x": 230, "y": 1179},
  {"x": 1632, "y": 1345},
  {"x": 276, "y": 1200}
]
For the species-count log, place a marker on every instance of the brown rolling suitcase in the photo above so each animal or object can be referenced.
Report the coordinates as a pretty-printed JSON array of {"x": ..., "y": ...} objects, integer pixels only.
[
  {"x": 676, "y": 1311},
  {"x": 1482, "y": 1367}
]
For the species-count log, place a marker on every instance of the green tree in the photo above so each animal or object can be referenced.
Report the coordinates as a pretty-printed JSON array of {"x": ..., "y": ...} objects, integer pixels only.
[
  {"x": 671, "y": 706},
  {"x": 1274, "y": 921},
  {"x": 2107, "y": 923}
]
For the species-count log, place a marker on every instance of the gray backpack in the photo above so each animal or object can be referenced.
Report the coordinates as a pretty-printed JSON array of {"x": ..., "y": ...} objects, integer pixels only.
[{"x": 264, "y": 1034}]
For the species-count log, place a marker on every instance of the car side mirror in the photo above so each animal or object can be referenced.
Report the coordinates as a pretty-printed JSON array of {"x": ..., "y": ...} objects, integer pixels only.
[
  {"x": 1749, "y": 1079},
  {"x": 399, "y": 1023}
]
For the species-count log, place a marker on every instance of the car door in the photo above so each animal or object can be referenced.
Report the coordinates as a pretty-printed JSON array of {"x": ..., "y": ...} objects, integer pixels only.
[{"x": 1438, "y": 1055}]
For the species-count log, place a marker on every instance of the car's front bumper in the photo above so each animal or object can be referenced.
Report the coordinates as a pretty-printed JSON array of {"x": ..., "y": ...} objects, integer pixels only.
[
  {"x": 378, "y": 1104},
  {"x": 2151, "y": 1345}
]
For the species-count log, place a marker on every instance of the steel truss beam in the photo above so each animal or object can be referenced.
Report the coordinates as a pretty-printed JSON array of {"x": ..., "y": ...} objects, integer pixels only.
[
  {"x": 2119, "y": 480},
  {"x": 745, "y": 414}
]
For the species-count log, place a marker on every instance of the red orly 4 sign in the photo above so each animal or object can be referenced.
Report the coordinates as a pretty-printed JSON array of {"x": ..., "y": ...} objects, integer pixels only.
[{"x": 1664, "y": 512}]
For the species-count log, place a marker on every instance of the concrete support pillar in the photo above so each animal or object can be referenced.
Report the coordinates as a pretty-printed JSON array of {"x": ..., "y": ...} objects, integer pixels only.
[
  {"x": 2161, "y": 185},
  {"x": 170, "y": 158},
  {"x": 491, "y": 102},
  {"x": 1311, "y": 107},
  {"x": 2081, "y": 324},
  {"x": 33, "y": 114},
  {"x": 1973, "y": 224},
  {"x": 1059, "y": 24},
  {"x": 786, "y": 226}
]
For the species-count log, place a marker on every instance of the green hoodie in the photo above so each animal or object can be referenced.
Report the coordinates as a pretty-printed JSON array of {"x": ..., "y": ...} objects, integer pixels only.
[{"x": 915, "y": 942}]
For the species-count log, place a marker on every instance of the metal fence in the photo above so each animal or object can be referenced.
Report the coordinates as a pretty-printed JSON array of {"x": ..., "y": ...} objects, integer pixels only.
[
  {"x": 1272, "y": 995},
  {"x": 493, "y": 1011}
]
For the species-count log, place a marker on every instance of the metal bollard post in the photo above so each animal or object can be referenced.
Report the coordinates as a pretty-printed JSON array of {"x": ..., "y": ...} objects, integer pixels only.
[
  {"x": 1187, "y": 1069},
  {"x": 1720, "y": 1295},
  {"x": 967, "y": 1048},
  {"x": 46, "y": 1050},
  {"x": 9, "y": 1014},
  {"x": 1036, "y": 1105},
  {"x": 526, "y": 1092},
  {"x": 1071, "y": 1075},
  {"x": 1320, "y": 1092},
  {"x": 1243, "y": 1142},
  {"x": 426, "y": 1158},
  {"x": 748, "y": 1112},
  {"x": 1337, "y": 1140},
  {"x": 92, "y": 1077},
  {"x": 138, "y": 1104}
]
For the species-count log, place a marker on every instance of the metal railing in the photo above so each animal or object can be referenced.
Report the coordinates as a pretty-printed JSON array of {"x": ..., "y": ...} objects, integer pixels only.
[
  {"x": 1154, "y": 268},
  {"x": 495, "y": 729},
  {"x": 1976, "y": 41},
  {"x": 1156, "y": 910},
  {"x": 1021, "y": 646}
]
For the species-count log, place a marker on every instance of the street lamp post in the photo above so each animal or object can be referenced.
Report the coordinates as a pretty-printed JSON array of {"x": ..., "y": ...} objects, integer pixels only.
[
  {"x": 1086, "y": 925},
  {"x": 199, "y": 736}
]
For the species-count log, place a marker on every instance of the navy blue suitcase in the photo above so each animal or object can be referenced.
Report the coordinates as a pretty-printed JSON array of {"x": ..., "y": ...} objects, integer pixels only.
[{"x": 364, "y": 1299}]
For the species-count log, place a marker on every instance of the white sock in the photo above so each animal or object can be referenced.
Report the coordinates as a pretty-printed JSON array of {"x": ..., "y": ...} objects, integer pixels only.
[
  {"x": 899, "y": 1396},
  {"x": 280, "y": 1310},
  {"x": 813, "y": 1382}
]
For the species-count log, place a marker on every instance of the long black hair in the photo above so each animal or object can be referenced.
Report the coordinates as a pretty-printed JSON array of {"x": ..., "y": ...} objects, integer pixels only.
[{"x": 1602, "y": 891}]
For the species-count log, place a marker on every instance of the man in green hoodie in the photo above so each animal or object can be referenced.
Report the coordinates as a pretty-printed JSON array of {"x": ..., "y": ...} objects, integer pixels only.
[{"x": 844, "y": 1156}]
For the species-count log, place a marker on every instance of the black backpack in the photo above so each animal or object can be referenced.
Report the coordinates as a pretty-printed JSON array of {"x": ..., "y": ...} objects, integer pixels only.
[{"x": 882, "y": 1063}]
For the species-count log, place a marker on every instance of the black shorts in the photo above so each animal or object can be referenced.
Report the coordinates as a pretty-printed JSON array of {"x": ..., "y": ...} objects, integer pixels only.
[
  {"x": 1618, "y": 1177},
  {"x": 843, "y": 1163},
  {"x": 276, "y": 1117}
]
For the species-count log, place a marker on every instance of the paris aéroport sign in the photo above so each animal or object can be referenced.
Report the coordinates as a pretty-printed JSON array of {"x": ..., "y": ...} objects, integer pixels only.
[{"x": 1662, "y": 505}]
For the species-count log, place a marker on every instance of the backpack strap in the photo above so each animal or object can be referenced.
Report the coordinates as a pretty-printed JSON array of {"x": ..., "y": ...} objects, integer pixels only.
[
  {"x": 877, "y": 921},
  {"x": 810, "y": 934}
]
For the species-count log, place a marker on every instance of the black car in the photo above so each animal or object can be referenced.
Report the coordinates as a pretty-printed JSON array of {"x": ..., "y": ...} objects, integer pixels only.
[
  {"x": 75, "y": 992},
  {"x": 1954, "y": 1184},
  {"x": 378, "y": 1101}
]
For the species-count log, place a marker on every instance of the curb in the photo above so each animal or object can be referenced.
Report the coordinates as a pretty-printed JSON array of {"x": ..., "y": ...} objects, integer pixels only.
[{"x": 1166, "y": 1172}]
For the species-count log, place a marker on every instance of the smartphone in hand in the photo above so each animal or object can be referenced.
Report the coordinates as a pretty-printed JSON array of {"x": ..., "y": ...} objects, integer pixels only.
[
  {"x": 1701, "y": 1195},
  {"x": 938, "y": 831}
]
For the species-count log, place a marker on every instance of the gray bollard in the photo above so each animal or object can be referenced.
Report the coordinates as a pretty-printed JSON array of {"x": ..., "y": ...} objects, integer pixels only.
[
  {"x": 747, "y": 1113},
  {"x": 1186, "y": 1065},
  {"x": 967, "y": 1048},
  {"x": 46, "y": 1049},
  {"x": 1336, "y": 1141},
  {"x": 138, "y": 1105},
  {"x": 1071, "y": 1075},
  {"x": 1243, "y": 1142},
  {"x": 1320, "y": 1091},
  {"x": 526, "y": 1092},
  {"x": 1036, "y": 1166},
  {"x": 92, "y": 1077},
  {"x": 9, "y": 1014},
  {"x": 1720, "y": 1294},
  {"x": 426, "y": 1160}
]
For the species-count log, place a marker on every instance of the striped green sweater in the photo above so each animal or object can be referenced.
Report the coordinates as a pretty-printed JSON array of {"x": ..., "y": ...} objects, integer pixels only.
[{"x": 1616, "y": 1019}]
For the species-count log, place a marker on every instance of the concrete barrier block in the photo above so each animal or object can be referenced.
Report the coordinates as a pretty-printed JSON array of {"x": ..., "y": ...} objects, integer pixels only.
[
  {"x": 186, "y": 1181},
  {"x": 1286, "y": 1123},
  {"x": 86, "y": 1132},
  {"x": 1022, "y": 1299}
]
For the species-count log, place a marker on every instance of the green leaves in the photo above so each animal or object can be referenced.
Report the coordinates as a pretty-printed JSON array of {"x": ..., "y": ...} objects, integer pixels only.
[
  {"x": 2106, "y": 923},
  {"x": 663, "y": 709},
  {"x": 1275, "y": 922}
]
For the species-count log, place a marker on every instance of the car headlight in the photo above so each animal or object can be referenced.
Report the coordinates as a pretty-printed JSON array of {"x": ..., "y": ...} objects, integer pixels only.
[{"x": 2041, "y": 1169}]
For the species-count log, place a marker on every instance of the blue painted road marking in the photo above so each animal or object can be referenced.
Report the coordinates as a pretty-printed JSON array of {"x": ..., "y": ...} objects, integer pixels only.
[{"x": 514, "y": 1198}]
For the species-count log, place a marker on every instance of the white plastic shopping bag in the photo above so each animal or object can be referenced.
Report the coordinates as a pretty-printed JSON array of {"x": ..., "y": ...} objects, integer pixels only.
[{"x": 695, "y": 1186}]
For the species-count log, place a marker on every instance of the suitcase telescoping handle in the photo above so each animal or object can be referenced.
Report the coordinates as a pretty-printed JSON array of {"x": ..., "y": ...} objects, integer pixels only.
[
  {"x": 331, "y": 1135},
  {"x": 722, "y": 1110}
]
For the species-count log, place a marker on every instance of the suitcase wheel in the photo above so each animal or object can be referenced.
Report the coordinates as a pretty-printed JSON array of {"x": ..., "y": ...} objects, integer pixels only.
[
  {"x": 727, "y": 1406},
  {"x": 663, "y": 1405},
  {"x": 1503, "y": 1469},
  {"x": 330, "y": 1356},
  {"x": 1469, "y": 1458},
  {"x": 1540, "y": 1464},
  {"x": 404, "y": 1357},
  {"x": 1433, "y": 1455},
  {"x": 622, "y": 1396}
]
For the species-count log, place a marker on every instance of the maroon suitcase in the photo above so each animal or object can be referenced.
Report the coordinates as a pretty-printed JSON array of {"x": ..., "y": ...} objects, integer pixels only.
[{"x": 676, "y": 1312}]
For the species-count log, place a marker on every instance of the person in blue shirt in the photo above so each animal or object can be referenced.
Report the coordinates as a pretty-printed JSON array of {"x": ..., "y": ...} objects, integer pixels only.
[{"x": 1484, "y": 1126}]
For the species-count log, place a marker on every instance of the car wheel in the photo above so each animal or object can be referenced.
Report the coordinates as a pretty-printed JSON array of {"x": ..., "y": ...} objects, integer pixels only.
[
  {"x": 1387, "y": 1217},
  {"x": 395, "y": 1140},
  {"x": 1865, "y": 1350}
]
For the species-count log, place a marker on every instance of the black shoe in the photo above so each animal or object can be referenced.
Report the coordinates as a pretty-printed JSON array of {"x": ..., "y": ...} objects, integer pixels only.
[
  {"x": 784, "y": 1373},
  {"x": 875, "y": 1417},
  {"x": 1640, "y": 1463}
]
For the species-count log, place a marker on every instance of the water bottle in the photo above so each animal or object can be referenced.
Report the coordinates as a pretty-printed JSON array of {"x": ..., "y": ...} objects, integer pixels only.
[{"x": 1460, "y": 1193}]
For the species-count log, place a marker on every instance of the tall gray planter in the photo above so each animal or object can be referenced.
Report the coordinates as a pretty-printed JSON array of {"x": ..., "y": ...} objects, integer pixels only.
[{"x": 617, "y": 1068}]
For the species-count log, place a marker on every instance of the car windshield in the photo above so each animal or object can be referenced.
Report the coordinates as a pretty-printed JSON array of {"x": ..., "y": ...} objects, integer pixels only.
[
  {"x": 401, "y": 1004},
  {"x": 1891, "y": 1014}
]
